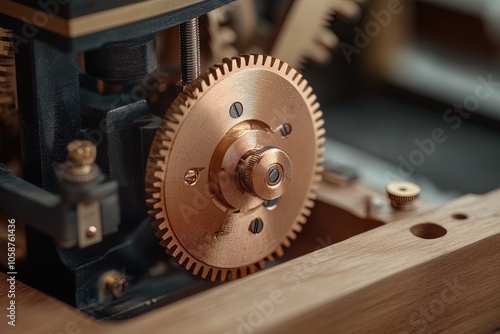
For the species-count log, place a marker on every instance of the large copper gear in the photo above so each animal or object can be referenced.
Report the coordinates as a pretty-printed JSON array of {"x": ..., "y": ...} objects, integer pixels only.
[{"x": 243, "y": 133}]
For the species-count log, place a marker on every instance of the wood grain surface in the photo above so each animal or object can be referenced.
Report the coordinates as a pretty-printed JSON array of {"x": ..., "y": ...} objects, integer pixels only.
[{"x": 386, "y": 280}]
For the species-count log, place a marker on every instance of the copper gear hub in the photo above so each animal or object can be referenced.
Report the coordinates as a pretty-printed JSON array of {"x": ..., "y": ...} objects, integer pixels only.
[{"x": 247, "y": 131}]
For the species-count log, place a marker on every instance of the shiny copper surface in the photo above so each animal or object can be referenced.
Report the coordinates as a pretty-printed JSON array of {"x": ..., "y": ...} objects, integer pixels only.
[{"x": 204, "y": 211}]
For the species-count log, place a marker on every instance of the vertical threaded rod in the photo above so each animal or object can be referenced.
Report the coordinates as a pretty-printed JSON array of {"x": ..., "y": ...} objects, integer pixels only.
[{"x": 190, "y": 50}]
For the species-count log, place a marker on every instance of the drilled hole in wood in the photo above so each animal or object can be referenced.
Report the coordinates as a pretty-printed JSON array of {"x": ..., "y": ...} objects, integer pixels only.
[
  {"x": 460, "y": 216},
  {"x": 428, "y": 231}
]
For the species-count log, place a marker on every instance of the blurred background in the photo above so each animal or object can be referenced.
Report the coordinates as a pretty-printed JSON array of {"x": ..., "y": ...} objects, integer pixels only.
[{"x": 433, "y": 67}]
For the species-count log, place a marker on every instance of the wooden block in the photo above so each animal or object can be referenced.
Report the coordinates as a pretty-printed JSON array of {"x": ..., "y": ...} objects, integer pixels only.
[{"x": 386, "y": 280}]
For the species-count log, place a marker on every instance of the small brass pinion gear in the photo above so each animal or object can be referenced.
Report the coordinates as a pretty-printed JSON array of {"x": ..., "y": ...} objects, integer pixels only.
[{"x": 234, "y": 165}]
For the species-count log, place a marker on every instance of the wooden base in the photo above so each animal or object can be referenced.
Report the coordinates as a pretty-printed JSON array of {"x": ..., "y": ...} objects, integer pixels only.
[{"x": 386, "y": 280}]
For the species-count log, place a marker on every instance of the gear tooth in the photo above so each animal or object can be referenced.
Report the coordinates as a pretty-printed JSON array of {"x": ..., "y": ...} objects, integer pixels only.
[
  {"x": 162, "y": 227},
  {"x": 181, "y": 258},
  {"x": 211, "y": 275},
  {"x": 327, "y": 38},
  {"x": 214, "y": 73},
  {"x": 157, "y": 205},
  {"x": 176, "y": 253},
  {"x": 306, "y": 212},
  {"x": 302, "y": 219},
  {"x": 313, "y": 196},
  {"x": 309, "y": 203},
  {"x": 198, "y": 92},
  {"x": 254, "y": 60},
  {"x": 261, "y": 264},
  {"x": 191, "y": 266},
  {"x": 204, "y": 81},
  {"x": 230, "y": 63},
  {"x": 302, "y": 84},
  {"x": 279, "y": 251},
  {"x": 319, "y": 169},
  {"x": 320, "y": 123},
  {"x": 292, "y": 235},
  {"x": 270, "y": 258},
  {"x": 297, "y": 228},
  {"x": 240, "y": 61},
  {"x": 263, "y": 60},
  {"x": 220, "y": 68},
  {"x": 273, "y": 62},
  {"x": 296, "y": 76},
  {"x": 164, "y": 243},
  {"x": 228, "y": 67},
  {"x": 178, "y": 256},
  {"x": 154, "y": 212},
  {"x": 308, "y": 91},
  {"x": 160, "y": 164},
  {"x": 151, "y": 201},
  {"x": 171, "y": 247},
  {"x": 150, "y": 191},
  {"x": 221, "y": 275},
  {"x": 286, "y": 243},
  {"x": 189, "y": 92},
  {"x": 184, "y": 108},
  {"x": 281, "y": 66},
  {"x": 201, "y": 272},
  {"x": 233, "y": 274},
  {"x": 318, "y": 114},
  {"x": 155, "y": 224},
  {"x": 321, "y": 132},
  {"x": 170, "y": 117}
]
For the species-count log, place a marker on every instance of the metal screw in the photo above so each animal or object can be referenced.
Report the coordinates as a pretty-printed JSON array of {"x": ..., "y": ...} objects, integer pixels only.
[
  {"x": 236, "y": 110},
  {"x": 82, "y": 152},
  {"x": 272, "y": 204},
  {"x": 190, "y": 50},
  {"x": 191, "y": 177},
  {"x": 116, "y": 285},
  {"x": 91, "y": 231},
  {"x": 80, "y": 167},
  {"x": 274, "y": 175},
  {"x": 286, "y": 129},
  {"x": 256, "y": 226}
]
